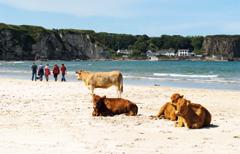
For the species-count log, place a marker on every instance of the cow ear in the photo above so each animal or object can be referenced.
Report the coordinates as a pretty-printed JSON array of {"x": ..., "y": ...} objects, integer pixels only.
[
  {"x": 76, "y": 72},
  {"x": 104, "y": 97},
  {"x": 181, "y": 96}
]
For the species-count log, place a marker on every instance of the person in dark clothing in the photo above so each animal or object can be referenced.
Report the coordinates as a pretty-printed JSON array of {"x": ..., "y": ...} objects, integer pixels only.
[
  {"x": 56, "y": 71},
  {"x": 34, "y": 71},
  {"x": 40, "y": 72},
  {"x": 63, "y": 70}
]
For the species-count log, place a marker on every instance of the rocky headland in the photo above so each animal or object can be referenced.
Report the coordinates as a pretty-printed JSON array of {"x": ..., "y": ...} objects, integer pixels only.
[{"x": 26, "y": 42}]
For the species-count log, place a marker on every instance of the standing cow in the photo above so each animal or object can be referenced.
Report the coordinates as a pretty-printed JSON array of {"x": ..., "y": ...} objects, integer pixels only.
[{"x": 101, "y": 80}]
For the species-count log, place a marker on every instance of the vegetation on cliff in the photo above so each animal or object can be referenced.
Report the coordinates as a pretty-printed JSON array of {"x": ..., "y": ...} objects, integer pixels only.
[{"x": 36, "y": 40}]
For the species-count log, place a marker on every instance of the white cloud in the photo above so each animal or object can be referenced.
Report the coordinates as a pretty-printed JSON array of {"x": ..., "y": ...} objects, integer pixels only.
[{"x": 82, "y": 8}]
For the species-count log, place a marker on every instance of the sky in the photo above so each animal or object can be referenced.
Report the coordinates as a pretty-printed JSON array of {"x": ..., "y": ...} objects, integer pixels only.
[{"x": 137, "y": 17}]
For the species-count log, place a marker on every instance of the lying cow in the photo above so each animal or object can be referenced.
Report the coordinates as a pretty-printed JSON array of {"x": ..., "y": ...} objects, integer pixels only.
[
  {"x": 101, "y": 80},
  {"x": 103, "y": 106},
  {"x": 167, "y": 111},
  {"x": 191, "y": 115}
]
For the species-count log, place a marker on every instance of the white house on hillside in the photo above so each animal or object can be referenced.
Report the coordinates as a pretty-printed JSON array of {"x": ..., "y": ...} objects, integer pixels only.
[
  {"x": 124, "y": 52},
  {"x": 168, "y": 53},
  {"x": 183, "y": 53},
  {"x": 149, "y": 53}
]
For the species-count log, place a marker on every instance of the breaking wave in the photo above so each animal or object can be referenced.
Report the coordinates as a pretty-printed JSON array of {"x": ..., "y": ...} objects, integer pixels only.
[{"x": 184, "y": 75}]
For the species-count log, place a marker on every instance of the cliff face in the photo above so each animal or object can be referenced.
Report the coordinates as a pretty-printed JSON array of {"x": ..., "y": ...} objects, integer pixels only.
[
  {"x": 29, "y": 43},
  {"x": 33, "y": 42},
  {"x": 227, "y": 46}
]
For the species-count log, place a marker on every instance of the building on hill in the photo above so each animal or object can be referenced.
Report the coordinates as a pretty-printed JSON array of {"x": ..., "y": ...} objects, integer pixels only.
[
  {"x": 149, "y": 53},
  {"x": 168, "y": 53},
  {"x": 124, "y": 52},
  {"x": 183, "y": 53},
  {"x": 152, "y": 56}
]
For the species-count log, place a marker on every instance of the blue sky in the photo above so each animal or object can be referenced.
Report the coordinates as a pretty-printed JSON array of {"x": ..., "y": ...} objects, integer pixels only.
[{"x": 151, "y": 17}]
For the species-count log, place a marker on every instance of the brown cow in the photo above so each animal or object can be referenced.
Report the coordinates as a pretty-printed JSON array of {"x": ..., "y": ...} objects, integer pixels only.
[
  {"x": 167, "y": 111},
  {"x": 112, "y": 106},
  {"x": 175, "y": 97},
  {"x": 101, "y": 80},
  {"x": 191, "y": 115}
]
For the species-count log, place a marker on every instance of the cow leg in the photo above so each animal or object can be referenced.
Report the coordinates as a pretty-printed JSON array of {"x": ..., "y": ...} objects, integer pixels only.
[
  {"x": 118, "y": 91},
  {"x": 118, "y": 94},
  {"x": 131, "y": 113},
  {"x": 161, "y": 112},
  {"x": 179, "y": 122},
  {"x": 91, "y": 89}
]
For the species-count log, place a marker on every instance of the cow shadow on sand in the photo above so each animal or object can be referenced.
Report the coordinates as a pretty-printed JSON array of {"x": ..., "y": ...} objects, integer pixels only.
[{"x": 211, "y": 126}]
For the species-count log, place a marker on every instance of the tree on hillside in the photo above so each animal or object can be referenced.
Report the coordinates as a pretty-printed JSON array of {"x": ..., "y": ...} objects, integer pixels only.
[{"x": 197, "y": 42}]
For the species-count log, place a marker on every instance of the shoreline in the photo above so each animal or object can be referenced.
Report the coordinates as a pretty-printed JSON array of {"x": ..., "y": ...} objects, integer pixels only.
[
  {"x": 144, "y": 83},
  {"x": 192, "y": 60},
  {"x": 206, "y": 75}
]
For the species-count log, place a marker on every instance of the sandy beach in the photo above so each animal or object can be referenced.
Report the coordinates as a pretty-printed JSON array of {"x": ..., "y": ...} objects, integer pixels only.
[{"x": 40, "y": 117}]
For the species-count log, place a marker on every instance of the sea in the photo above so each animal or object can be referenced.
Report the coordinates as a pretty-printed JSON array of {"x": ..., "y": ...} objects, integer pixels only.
[{"x": 186, "y": 74}]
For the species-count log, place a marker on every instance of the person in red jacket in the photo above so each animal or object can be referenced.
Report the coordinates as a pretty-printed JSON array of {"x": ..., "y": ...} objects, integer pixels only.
[
  {"x": 47, "y": 72},
  {"x": 63, "y": 70},
  {"x": 56, "y": 71}
]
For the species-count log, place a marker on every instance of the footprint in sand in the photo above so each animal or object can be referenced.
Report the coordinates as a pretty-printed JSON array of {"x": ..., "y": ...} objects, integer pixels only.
[
  {"x": 139, "y": 139},
  {"x": 172, "y": 138},
  {"x": 236, "y": 136}
]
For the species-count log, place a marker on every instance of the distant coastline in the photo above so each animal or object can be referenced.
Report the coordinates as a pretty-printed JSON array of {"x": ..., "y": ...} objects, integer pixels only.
[{"x": 26, "y": 42}]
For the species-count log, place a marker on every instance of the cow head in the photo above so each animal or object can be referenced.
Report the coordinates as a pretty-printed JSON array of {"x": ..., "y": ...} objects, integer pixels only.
[
  {"x": 79, "y": 74},
  {"x": 175, "y": 97},
  {"x": 98, "y": 103},
  {"x": 182, "y": 107}
]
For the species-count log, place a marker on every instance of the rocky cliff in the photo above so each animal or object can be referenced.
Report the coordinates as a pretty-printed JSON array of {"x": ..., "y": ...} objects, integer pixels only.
[
  {"x": 224, "y": 45},
  {"x": 32, "y": 42}
]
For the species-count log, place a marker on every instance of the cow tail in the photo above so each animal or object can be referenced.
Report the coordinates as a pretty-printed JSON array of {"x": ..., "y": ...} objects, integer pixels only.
[{"x": 121, "y": 82}]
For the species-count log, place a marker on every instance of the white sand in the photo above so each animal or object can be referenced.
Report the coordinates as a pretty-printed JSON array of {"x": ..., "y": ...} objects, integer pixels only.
[{"x": 56, "y": 118}]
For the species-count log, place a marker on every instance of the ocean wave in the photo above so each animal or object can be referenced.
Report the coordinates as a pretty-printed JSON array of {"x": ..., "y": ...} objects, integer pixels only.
[
  {"x": 15, "y": 62},
  {"x": 147, "y": 78},
  {"x": 201, "y": 80},
  {"x": 14, "y": 71},
  {"x": 216, "y": 80},
  {"x": 185, "y": 75}
]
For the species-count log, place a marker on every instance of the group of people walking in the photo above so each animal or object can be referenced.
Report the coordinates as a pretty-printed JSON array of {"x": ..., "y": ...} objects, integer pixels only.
[{"x": 39, "y": 71}]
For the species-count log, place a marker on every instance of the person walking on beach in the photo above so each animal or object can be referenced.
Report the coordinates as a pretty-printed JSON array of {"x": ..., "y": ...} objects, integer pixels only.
[
  {"x": 63, "y": 70},
  {"x": 47, "y": 72},
  {"x": 56, "y": 71},
  {"x": 34, "y": 71},
  {"x": 40, "y": 72}
]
